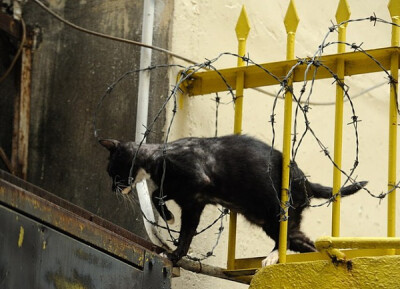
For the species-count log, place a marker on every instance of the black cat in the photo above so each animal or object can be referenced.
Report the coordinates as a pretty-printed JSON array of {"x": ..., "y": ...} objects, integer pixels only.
[{"x": 236, "y": 171}]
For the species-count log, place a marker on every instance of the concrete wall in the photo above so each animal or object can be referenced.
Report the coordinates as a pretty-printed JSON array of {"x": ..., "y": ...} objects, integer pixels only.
[
  {"x": 204, "y": 29},
  {"x": 71, "y": 71}
]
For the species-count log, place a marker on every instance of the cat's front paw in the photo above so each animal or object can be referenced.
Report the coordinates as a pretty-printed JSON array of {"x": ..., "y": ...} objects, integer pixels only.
[
  {"x": 271, "y": 259},
  {"x": 174, "y": 257}
]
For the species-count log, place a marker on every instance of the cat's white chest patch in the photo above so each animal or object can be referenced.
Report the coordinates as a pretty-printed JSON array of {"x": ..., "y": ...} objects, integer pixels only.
[{"x": 141, "y": 175}]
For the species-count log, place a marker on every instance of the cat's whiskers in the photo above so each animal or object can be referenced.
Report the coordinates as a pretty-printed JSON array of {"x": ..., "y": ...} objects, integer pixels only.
[
  {"x": 118, "y": 190},
  {"x": 122, "y": 188},
  {"x": 119, "y": 197},
  {"x": 129, "y": 201},
  {"x": 123, "y": 194},
  {"x": 119, "y": 186}
]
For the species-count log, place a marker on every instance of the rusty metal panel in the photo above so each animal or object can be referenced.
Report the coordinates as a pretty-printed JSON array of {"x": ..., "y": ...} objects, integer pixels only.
[
  {"x": 156, "y": 274},
  {"x": 55, "y": 244},
  {"x": 33, "y": 255},
  {"x": 48, "y": 200},
  {"x": 67, "y": 221}
]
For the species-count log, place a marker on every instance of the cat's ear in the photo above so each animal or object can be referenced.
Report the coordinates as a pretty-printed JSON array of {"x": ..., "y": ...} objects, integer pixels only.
[{"x": 110, "y": 144}]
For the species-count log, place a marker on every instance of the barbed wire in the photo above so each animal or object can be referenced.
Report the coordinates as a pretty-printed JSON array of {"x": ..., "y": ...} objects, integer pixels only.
[
  {"x": 111, "y": 87},
  {"x": 313, "y": 64},
  {"x": 314, "y": 61}
]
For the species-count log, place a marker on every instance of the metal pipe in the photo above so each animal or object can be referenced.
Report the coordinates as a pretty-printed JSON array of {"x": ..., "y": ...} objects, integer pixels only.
[
  {"x": 142, "y": 114},
  {"x": 144, "y": 76},
  {"x": 20, "y": 139},
  {"x": 324, "y": 243}
]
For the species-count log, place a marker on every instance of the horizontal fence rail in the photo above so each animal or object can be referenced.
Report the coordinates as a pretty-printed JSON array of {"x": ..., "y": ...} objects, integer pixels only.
[{"x": 358, "y": 62}]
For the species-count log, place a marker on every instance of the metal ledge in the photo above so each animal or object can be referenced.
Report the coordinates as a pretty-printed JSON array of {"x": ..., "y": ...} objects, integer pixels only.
[{"x": 74, "y": 221}]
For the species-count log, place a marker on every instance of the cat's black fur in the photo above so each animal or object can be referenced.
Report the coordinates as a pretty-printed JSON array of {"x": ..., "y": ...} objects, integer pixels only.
[{"x": 231, "y": 171}]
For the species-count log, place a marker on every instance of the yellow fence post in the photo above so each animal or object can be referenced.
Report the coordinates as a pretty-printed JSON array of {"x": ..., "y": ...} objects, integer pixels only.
[
  {"x": 394, "y": 9},
  {"x": 291, "y": 21},
  {"x": 342, "y": 14},
  {"x": 242, "y": 31}
]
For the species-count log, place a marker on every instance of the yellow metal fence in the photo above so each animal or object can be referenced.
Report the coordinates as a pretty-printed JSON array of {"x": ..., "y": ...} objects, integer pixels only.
[{"x": 341, "y": 64}]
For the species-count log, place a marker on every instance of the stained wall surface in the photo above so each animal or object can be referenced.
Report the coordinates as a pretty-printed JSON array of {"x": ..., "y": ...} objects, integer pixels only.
[{"x": 71, "y": 71}]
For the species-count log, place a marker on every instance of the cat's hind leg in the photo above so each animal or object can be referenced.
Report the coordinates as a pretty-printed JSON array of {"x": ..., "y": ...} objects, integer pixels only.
[
  {"x": 272, "y": 230},
  {"x": 271, "y": 259},
  {"x": 299, "y": 242}
]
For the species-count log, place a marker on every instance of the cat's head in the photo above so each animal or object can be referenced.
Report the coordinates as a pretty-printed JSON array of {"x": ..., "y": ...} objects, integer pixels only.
[{"x": 120, "y": 162}]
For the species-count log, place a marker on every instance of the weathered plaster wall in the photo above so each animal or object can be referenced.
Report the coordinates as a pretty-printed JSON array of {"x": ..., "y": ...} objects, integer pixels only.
[{"x": 204, "y": 29}]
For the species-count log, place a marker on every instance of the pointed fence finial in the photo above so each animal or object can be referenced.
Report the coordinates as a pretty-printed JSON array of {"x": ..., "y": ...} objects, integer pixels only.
[
  {"x": 291, "y": 18},
  {"x": 343, "y": 12},
  {"x": 242, "y": 26}
]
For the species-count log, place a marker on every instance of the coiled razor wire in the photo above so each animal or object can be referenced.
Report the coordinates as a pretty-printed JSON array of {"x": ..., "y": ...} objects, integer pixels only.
[{"x": 302, "y": 108}]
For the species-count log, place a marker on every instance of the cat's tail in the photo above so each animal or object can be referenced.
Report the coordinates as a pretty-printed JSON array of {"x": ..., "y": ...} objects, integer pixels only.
[{"x": 322, "y": 192}]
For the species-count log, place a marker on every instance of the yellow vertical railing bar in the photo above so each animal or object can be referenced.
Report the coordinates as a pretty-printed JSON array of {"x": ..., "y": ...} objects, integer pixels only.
[
  {"x": 342, "y": 14},
  {"x": 394, "y": 9},
  {"x": 242, "y": 30},
  {"x": 291, "y": 21}
]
